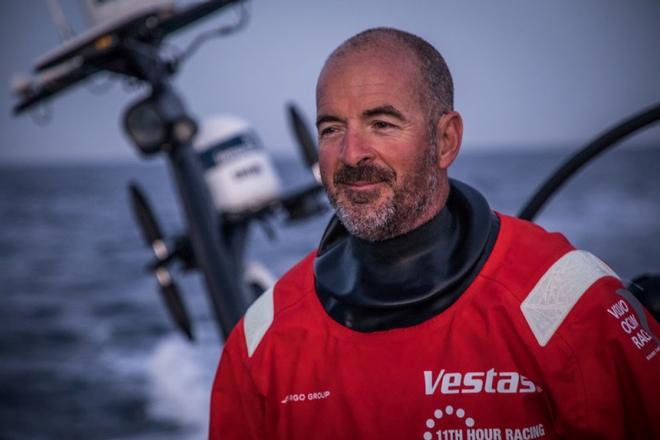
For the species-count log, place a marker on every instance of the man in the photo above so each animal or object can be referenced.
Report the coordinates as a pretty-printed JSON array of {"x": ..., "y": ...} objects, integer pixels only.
[{"x": 423, "y": 314}]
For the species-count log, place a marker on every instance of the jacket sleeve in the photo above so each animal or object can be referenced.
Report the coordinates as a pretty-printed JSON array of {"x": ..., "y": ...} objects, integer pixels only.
[
  {"x": 617, "y": 353},
  {"x": 236, "y": 405}
]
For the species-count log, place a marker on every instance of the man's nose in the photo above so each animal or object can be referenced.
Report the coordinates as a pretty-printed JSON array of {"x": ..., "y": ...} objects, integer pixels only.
[{"x": 355, "y": 148}]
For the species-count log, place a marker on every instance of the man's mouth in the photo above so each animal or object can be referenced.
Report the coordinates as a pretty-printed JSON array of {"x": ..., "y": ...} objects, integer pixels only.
[{"x": 362, "y": 184}]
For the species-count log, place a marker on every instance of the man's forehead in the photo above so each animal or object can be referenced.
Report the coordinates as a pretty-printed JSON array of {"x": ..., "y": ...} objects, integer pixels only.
[{"x": 359, "y": 96}]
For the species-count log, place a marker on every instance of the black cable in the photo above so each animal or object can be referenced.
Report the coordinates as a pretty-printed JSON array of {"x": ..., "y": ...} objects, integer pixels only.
[
  {"x": 585, "y": 155},
  {"x": 222, "y": 31}
]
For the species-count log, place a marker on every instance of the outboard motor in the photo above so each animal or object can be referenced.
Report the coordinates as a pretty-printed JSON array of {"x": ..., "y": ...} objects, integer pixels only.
[{"x": 238, "y": 171}]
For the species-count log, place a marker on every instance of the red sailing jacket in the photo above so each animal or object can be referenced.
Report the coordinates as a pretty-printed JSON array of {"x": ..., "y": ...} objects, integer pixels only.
[{"x": 545, "y": 343}]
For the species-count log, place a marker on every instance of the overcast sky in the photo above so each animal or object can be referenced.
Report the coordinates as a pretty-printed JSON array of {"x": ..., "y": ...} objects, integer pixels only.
[{"x": 528, "y": 74}]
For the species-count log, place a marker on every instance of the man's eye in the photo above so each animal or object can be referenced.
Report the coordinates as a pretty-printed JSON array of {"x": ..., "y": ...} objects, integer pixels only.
[
  {"x": 326, "y": 131},
  {"x": 382, "y": 125}
]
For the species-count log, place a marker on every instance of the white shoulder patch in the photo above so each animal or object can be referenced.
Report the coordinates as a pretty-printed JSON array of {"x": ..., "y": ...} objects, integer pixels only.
[
  {"x": 258, "y": 319},
  {"x": 555, "y": 294}
]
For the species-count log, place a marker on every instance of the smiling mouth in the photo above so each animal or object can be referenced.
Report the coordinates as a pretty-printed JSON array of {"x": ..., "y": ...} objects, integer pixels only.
[
  {"x": 362, "y": 184},
  {"x": 363, "y": 187},
  {"x": 361, "y": 193}
]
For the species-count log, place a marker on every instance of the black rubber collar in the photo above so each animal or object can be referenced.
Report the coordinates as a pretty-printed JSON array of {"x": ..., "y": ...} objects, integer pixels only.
[{"x": 403, "y": 281}]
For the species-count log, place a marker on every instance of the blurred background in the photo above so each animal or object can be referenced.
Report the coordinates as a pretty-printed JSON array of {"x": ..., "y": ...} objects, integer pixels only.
[{"x": 86, "y": 348}]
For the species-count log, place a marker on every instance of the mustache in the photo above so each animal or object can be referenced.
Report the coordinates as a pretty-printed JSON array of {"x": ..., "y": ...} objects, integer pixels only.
[{"x": 363, "y": 173}]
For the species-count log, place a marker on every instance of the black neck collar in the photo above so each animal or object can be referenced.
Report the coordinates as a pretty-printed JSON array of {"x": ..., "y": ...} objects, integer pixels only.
[{"x": 369, "y": 286}]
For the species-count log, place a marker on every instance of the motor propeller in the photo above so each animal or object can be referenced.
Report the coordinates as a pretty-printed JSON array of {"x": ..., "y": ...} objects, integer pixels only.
[
  {"x": 153, "y": 236},
  {"x": 305, "y": 139}
]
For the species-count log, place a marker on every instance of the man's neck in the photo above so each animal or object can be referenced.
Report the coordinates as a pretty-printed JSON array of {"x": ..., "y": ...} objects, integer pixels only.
[{"x": 405, "y": 280}]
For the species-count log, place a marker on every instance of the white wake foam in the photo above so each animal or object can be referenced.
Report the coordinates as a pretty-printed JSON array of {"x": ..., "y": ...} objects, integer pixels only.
[{"x": 180, "y": 376}]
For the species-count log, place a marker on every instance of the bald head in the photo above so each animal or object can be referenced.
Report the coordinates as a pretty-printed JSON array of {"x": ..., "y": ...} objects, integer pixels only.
[{"x": 435, "y": 83}]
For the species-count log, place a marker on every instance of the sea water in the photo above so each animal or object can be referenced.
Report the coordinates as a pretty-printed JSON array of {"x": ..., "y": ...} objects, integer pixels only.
[{"x": 86, "y": 348}]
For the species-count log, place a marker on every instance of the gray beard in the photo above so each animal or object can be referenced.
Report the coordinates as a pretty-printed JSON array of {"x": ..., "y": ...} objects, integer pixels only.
[{"x": 397, "y": 215}]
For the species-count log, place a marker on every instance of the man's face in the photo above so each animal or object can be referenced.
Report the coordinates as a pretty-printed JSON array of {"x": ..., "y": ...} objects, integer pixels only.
[{"x": 377, "y": 158}]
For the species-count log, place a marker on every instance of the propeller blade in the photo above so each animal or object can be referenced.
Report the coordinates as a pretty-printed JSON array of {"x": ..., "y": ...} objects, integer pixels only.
[
  {"x": 152, "y": 234},
  {"x": 146, "y": 220},
  {"x": 305, "y": 139},
  {"x": 174, "y": 303}
]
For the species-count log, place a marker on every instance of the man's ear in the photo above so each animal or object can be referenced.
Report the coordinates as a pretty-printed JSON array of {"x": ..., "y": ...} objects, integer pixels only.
[{"x": 449, "y": 130}]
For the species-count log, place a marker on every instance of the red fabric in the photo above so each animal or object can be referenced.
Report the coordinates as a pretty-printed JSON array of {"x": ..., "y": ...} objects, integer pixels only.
[{"x": 475, "y": 371}]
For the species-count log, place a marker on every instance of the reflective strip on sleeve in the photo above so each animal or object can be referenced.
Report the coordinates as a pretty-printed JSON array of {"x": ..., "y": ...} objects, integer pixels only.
[
  {"x": 257, "y": 320},
  {"x": 559, "y": 289}
]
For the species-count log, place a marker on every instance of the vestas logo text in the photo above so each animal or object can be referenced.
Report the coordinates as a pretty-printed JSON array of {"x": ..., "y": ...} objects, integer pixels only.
[{"x": 489, "y": 381}]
